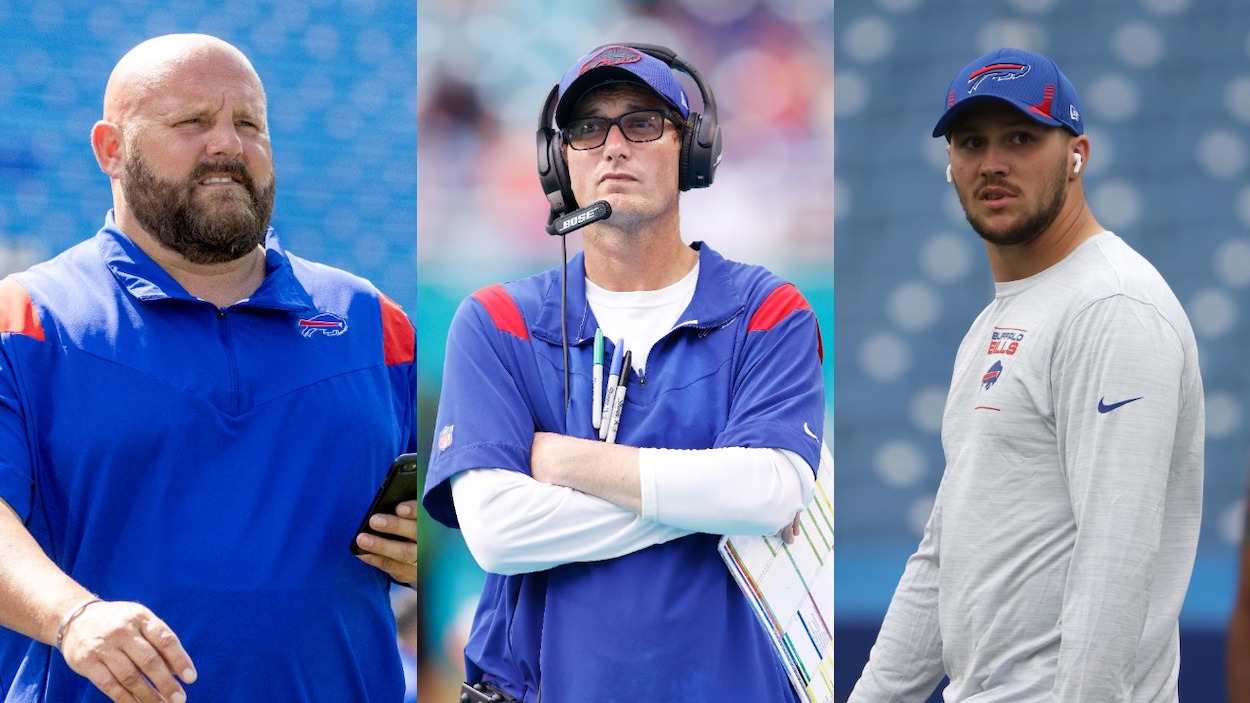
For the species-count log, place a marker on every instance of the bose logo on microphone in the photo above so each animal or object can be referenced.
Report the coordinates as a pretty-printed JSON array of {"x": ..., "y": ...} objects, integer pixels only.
[{"x": 578, "y": 219}]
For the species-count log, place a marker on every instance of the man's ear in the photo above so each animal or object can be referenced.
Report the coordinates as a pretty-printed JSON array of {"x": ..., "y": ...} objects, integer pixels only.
[{"x": 106, "y": 143}]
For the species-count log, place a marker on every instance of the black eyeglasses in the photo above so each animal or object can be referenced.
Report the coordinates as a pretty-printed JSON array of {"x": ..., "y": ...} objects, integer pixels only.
[{"x": 639, "y": 126}]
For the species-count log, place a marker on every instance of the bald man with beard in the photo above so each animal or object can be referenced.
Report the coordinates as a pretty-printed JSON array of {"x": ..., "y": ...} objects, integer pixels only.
[{"x": 193, "y": 421}]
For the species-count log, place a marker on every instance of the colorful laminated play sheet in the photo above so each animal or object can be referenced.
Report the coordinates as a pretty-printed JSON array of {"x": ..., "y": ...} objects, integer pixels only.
[{"x": 790, "y": 587}]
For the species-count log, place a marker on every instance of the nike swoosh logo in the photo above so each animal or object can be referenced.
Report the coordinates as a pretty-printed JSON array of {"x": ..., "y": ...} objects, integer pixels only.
[
  {"x": 809, "y": 432},
  {"x": 1104, "y": 408}
]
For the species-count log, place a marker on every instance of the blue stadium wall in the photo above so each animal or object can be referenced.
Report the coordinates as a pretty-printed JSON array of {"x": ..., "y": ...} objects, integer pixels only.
[{"x": 341, "y": 83}]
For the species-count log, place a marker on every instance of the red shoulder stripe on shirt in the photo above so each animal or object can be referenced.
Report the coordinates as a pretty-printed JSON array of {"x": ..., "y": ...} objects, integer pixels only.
[
  {"x": 776, "y": 306},
  {"x": 503, "y": 310},
  {"x": 399, "y": 339},
  {"x": 17, "y": 312},
  {"x": 780, "y": 303}
]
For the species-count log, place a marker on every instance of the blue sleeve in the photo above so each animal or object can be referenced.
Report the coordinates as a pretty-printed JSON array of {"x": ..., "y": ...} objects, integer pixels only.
[
  {"x": 16, "y": 472},
  {"x": 483, "y": 418},
  {"x": 778, "y": 394},
  {"x": 404, "y": 380}
]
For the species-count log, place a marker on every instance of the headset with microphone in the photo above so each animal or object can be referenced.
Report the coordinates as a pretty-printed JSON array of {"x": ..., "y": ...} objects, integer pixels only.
[
  {"x": 700, "y": 147},
  {"x": 699, "y": 157}
]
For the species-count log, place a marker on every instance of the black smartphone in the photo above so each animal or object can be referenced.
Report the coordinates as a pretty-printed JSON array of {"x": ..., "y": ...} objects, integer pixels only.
[
  {"x": 399, "y": 485},
  {"x": 483, "y": 693}
]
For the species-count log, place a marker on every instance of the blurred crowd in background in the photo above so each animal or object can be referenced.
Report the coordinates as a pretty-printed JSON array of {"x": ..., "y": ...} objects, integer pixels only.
[{"x": 484, "y": 69}]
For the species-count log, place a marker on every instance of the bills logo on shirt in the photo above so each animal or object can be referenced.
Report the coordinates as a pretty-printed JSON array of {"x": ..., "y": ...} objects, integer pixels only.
[
  {"x": 1005, "y": 340},
  {"x": 326, "y": 323},
  {"x": 990, "y": 377}
]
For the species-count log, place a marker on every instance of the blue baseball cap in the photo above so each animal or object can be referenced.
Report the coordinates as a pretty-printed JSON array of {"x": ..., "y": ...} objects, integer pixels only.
[
  {"x": 1027, "y": 81},
  {"x": 618, "y": 64}
]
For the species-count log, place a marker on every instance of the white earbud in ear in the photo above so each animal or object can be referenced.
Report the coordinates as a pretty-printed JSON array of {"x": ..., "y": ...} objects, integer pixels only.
[
  {"x": 949, "y": 178},
  {"x": 1076, "y": 168}
]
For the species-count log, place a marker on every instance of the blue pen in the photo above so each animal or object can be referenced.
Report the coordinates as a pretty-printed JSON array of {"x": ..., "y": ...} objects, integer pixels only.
[
  {"x": 596, "y": 408},
  {"x": 618, "y": 401},
  {"x": 614, "y": 374}
]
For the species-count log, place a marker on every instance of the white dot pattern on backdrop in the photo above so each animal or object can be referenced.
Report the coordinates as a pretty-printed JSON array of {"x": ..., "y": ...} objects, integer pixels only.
[
  {"x": 925, "y": 409},
  {"x": 918, "y": 512},
  {"x": 1232, "y": 263},
  {"x": 1117, "y": 204},
  {"x": 900, "y": 463},
  {"x": 869, "y": 39},
  {"x": 884, "y": 357},
  {"x": 1222, "y": 153},
  {"x": 1242, "y": 207},
  {"x": 1230, "y": 522},
  {"x": 913, "y": 306},
  {"x": 1237, "y": 98},
  {"x": 1014, "y": 32},
  {"x": 850, "y": 93},
  {"x": 946, "y": 257},
  {"x": 1223, "y": 415},
  {"x": 1166, "y": 101},
  {"x": 1112, "y": 98},
  {"x": 1212, "y": 312},
  {"x": 1167, "y": 8},
  {"x": 1138, "y": 44},
  {"x": 897, "y": 6}
]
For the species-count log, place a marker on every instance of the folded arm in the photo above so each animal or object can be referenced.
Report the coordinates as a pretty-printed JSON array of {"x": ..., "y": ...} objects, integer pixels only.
[
  {"x": 590, "y": 501},
  {"x": 727, "y": 490},
  {"x": 515, "y": 524}
]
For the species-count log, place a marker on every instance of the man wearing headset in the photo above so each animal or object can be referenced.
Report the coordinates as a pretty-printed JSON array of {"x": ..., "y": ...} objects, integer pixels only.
[
  {"x": 605, "y": 583},
  {"x": 1060, "y": 545}
]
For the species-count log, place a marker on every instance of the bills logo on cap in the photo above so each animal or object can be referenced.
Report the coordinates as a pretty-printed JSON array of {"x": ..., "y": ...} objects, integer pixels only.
[
  {"x": 611, "y": 56},
  {"x": 998, "y": 72},
  {"x": 326, "y": 323},
  {"x": 990, "y": 377}
]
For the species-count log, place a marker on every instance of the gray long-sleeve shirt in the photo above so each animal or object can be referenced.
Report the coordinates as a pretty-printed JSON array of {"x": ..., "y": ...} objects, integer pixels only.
[{"x": 1059, "y": 550}]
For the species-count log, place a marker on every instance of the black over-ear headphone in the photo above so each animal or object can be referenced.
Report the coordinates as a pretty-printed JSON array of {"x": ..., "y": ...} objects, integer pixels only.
[{"x": 700, "y": 147}]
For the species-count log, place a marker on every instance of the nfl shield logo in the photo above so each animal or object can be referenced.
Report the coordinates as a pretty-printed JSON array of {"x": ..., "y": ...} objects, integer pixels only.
[{"x": 444, "y": 437}]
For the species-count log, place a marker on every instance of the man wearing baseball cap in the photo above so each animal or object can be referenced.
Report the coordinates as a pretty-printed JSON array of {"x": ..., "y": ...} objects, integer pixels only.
[
  {"x": 598, "y": 521},
  {"x": 1057, "y": 556}
]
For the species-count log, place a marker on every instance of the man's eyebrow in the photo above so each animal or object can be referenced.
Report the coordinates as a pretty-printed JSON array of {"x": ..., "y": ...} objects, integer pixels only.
[
  {"x": 1014, "y": 122},
  {"x": 629, "y": 107}
]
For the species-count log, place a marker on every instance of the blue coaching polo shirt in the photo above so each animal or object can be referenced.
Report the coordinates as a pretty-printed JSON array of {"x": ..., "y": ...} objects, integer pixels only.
[
  {"x": 210, "y": 464},
  {"x": 665, "y": 623}
]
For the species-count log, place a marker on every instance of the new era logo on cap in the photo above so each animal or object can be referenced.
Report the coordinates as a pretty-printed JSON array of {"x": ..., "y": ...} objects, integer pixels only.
[{"x": 1027, "y": 81}]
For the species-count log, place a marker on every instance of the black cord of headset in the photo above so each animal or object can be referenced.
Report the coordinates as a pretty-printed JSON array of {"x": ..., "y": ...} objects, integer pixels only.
[
  {"x": 561, "y": 225},
  {"x": 564, "y": 324}
]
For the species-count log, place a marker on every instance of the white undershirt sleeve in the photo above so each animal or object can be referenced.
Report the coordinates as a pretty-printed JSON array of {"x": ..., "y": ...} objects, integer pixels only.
[
  {"x": 725, "y": 491},
  {"x": 514, "y": 524}
]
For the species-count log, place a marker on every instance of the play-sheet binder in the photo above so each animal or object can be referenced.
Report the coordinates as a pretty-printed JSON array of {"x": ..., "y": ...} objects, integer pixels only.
[{"x": 790, "y": 587}]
